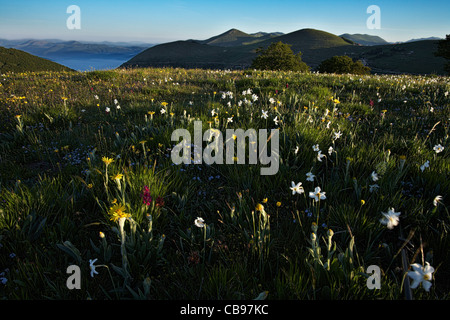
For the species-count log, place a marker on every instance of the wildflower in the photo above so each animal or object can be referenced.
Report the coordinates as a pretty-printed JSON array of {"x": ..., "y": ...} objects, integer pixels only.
[
  {"x": 259, "y": 207},
  {"x": 330, "y": 150},
  {"x": 159, "y": 202},
  {"x": 310, "y": 176},
  {"x": 373, "y": 187},
  {"x": 117, "y": 177},
  {"x": 330, "y": 233},
  {"x": 163, "y": 110},
  {"x": 118, "y": 212},
  {"x": 425, "y": 165},
  {"x": 92, "y": 267},
  {"x": 146, "y": 197},
  {"x": 337, "y": 135},
  {"x": 230, "y": 119},
  {"x": 101, "y": 235},
  {"x": 264, "y": 114},
  {"x": 296, "y": 149},
  {"x": 265, "y": 200},
  {"x": 438, "y": 148},
  {"x": 363, "y": 202},
  {"x": 275, "y": 120},
  {"x": 90, "y": 186},
  {"x": 199, "y": 222},
  {"x": 318, "y": 194},
  {"x": 316, "y": 147},
  {"x": 107, "y": 109},
  {"x": 437, "y": 200},
  {"x": 390, "y": 218},
  {"x": 107, "y": 160},
  {"x": 278, "y": 204},
  {"x": 262, "y": 296},
  {"x": 297, "y": 188},
  {"x": 320, "y": 156},
  {"x": 421, "y": 275},
  {"x": 374, "y": 176}
]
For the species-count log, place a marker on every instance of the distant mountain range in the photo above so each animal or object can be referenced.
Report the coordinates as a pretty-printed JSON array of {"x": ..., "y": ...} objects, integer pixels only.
[
  {"x": 236, "y": 49},
  {"x": 76, "y": 52},
  {"x": 364, "y": 39}
]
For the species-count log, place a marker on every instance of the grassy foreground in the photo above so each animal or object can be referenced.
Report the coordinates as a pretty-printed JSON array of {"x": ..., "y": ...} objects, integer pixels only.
[{"x": 87, "y": 180}]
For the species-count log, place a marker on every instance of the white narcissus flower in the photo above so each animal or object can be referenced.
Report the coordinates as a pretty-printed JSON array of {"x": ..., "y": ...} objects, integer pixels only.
[
  {"x": 199, "y": 222},
  {"x": 374, "y": 176},
  {"x": 421, "y": 275},
  {"x": 297, "y": 188},
  {"x": 310, "y": 176},
  {"x": 264, "y": 114},
  {"x": 107, "y": 109},
  {"x": 337, "y": 135},
  {"x": 92, "y": 267},
  {"x": 318, "y": 194},
  {"x": 437, "y": 200},
  {"x": 316, "y": 147},
  {"x": 330, "y": 150},
  {"x": 296, "y": 149},
  {"x": 320, "y": 156},
  {"x": 390, "y": 218},
  {"x": 275, "y": 120},
  {"x": 438, "y": 148}
]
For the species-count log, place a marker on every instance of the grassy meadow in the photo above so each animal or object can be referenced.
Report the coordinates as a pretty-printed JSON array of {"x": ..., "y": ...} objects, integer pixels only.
[{"x": 87, "y": 180}]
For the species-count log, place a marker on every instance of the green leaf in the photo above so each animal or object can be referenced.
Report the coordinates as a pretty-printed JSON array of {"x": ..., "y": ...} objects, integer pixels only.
[{"x": 71, "y": 250}]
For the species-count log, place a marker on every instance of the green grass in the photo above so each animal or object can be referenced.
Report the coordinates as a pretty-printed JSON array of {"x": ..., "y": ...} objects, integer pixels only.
[
  {"x": 13, "y": 60},
  {"x": 56, "y": 192}
]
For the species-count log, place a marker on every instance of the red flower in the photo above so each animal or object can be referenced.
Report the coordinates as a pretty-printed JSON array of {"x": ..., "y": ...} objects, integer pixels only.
[
  {"x": 159, "y": 202},
  {"x": 146, "y": 197}
]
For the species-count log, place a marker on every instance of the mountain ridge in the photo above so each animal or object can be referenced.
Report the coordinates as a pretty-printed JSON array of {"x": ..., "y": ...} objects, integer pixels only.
[
  {"x": 14, "y": 60},
  {"x": 232, "y": 50}
]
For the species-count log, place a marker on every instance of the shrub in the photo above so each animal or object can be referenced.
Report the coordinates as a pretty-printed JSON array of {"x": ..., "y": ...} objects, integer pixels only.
[
  {"x": 343, "y": 64},
  {"x": 279, "y": 56}
]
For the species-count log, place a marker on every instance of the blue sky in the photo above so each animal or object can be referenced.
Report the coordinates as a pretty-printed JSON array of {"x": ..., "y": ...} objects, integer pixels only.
[{"x": 163, "y": 21}]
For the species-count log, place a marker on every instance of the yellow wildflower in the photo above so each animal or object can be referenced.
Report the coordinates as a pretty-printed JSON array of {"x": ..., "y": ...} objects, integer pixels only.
[
  {"x": 107, "y": 160},
  {"x": 117, "y": 212},
  {"x": 118, "y": 176},
  {"x": 259, "y": 207}
]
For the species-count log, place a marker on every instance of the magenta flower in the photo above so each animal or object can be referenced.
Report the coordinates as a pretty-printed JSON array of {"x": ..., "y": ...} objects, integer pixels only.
[{"x": 146, "y": 197}]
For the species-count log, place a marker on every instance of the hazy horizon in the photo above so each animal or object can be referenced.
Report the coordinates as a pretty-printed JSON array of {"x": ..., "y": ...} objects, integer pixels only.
[{"x": 156, "y": 22}]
